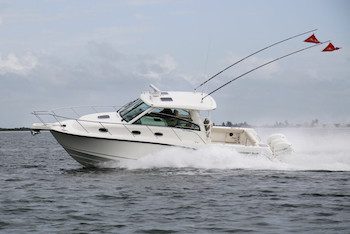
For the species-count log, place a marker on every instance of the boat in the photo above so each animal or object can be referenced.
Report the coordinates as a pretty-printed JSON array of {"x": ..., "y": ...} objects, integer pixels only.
[
  {"x": 153, "y": 122},
  {"x": 156, "y": 121}
]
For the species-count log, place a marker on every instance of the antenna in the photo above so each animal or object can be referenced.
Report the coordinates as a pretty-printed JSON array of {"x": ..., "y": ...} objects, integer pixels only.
[
  {"x": 274, "y": 60},
  {"x": 156, "y": 92},
  {"x": 154, "y": 88},
  {"x": 289, "y": 38}
]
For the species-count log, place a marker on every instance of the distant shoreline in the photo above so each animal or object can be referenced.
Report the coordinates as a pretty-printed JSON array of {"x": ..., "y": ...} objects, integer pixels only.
[{"x": 14, "y": 129}]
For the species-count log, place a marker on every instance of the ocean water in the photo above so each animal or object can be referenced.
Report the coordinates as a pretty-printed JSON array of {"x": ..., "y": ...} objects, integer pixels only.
[{"x": 212, "y": 190}]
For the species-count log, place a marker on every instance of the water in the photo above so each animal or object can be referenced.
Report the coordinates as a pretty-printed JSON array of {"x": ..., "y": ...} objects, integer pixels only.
[{"x": 43, "y": 190}]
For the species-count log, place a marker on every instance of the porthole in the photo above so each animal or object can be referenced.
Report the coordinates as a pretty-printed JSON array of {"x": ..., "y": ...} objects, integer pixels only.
[
  {"x": 166, "y": 99},
  {"x": 103, "y": 130},
  {"x": 136, "y": 132},
  {"x": 103, "y": 117}
]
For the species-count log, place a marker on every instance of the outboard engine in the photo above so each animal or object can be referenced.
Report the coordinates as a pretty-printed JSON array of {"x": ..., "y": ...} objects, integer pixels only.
[{"x": 279, "y": 144}]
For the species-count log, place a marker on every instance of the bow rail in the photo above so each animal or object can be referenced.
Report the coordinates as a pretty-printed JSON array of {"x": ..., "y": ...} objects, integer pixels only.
[{"x": 76, "y": 112}]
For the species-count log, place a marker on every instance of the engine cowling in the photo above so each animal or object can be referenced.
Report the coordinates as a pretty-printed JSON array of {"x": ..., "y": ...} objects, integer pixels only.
[{"x": 279, "y": 144}]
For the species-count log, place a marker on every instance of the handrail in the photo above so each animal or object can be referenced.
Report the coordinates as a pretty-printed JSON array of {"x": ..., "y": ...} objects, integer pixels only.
[
  {"x": 75, "y": 112},
  {"x": 53, "y": 113},
  {"x": 82, "y": 125},
  {"x": 73, "y": 108}
]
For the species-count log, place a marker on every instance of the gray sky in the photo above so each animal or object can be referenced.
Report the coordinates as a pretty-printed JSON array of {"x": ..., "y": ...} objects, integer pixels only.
[{"x": 56, "y": 53}]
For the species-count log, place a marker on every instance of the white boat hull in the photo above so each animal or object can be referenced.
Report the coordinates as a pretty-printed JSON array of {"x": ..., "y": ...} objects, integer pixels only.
[
  {"x": 91, "y": 151},
  {"x": 94, "y": 152}
]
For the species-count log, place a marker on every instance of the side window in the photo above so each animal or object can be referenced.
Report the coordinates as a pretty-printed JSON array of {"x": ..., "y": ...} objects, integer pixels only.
[
  {"x": 187, "y": 125},
  {"x": 176, "y": 118},
  {"x": 183, "y": 114}
]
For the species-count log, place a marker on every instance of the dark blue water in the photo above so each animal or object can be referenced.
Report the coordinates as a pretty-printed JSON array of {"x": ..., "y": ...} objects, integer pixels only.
[{"x": 43, "y": 190}]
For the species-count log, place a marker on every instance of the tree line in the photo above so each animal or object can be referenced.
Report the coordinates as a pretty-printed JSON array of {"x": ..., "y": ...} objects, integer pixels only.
[{"x": 278, "y": 124}]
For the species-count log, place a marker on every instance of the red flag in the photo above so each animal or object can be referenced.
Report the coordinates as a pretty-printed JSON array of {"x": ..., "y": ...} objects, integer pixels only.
[
  {"x": 330, "y": 48},
  {"x": 312, "y": 39}
]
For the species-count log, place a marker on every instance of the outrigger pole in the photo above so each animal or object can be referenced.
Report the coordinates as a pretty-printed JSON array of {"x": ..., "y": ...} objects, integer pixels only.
[
  {"x": 289, "y": 38},
  {"x": 274, "y": 60}
]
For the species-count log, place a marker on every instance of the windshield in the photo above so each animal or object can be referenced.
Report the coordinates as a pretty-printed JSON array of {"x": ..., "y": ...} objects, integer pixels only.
[{"x": 133, "y": 109}]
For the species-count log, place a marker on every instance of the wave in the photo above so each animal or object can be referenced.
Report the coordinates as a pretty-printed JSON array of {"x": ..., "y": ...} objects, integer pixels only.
[
  {"x": 315, "y": 150},
  {"x": 215, "y": 157}
]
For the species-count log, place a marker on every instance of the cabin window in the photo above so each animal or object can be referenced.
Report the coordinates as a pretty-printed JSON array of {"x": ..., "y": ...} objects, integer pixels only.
[
  {"x": 166, "y": 99},
  {"x": 103, "y": 116},
  {"x": 179, "y": 113},
  {"x": 133, "y": 109},
  {"x": 176, "y": 118}
]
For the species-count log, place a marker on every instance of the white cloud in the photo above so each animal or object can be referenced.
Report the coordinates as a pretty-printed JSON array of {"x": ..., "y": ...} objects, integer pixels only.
[
  {"x": 189, "y": 78},
  {"x": 104, "y": 51},
  {"x": 158, "y": 67},
  {"x": 194, "y": 80},
  {"x": 20, "y": 65}
]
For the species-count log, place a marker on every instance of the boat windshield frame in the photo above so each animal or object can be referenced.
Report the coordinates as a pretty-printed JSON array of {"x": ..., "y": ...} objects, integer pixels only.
[{"x": 133, "y": 109}]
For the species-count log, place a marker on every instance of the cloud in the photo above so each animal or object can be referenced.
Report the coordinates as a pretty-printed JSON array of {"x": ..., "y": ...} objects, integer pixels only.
[
  {"x": 20, "y": 65},
  {"x": 104, "y": 51},
  {"x": 157, "y": 68},
  {"x": 189, "y": 78},
  {"x": 194, "y": 80},
  {"x": 100, "y": 65}
]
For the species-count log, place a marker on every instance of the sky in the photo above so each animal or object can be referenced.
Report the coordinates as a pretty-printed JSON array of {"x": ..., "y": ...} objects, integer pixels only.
[{"x": 57, "y": 53}]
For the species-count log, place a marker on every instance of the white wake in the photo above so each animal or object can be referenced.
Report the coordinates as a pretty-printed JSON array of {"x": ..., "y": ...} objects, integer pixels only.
[
  {"x": 315, "y": 149},
  {"x": 214, "y": 157}
]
